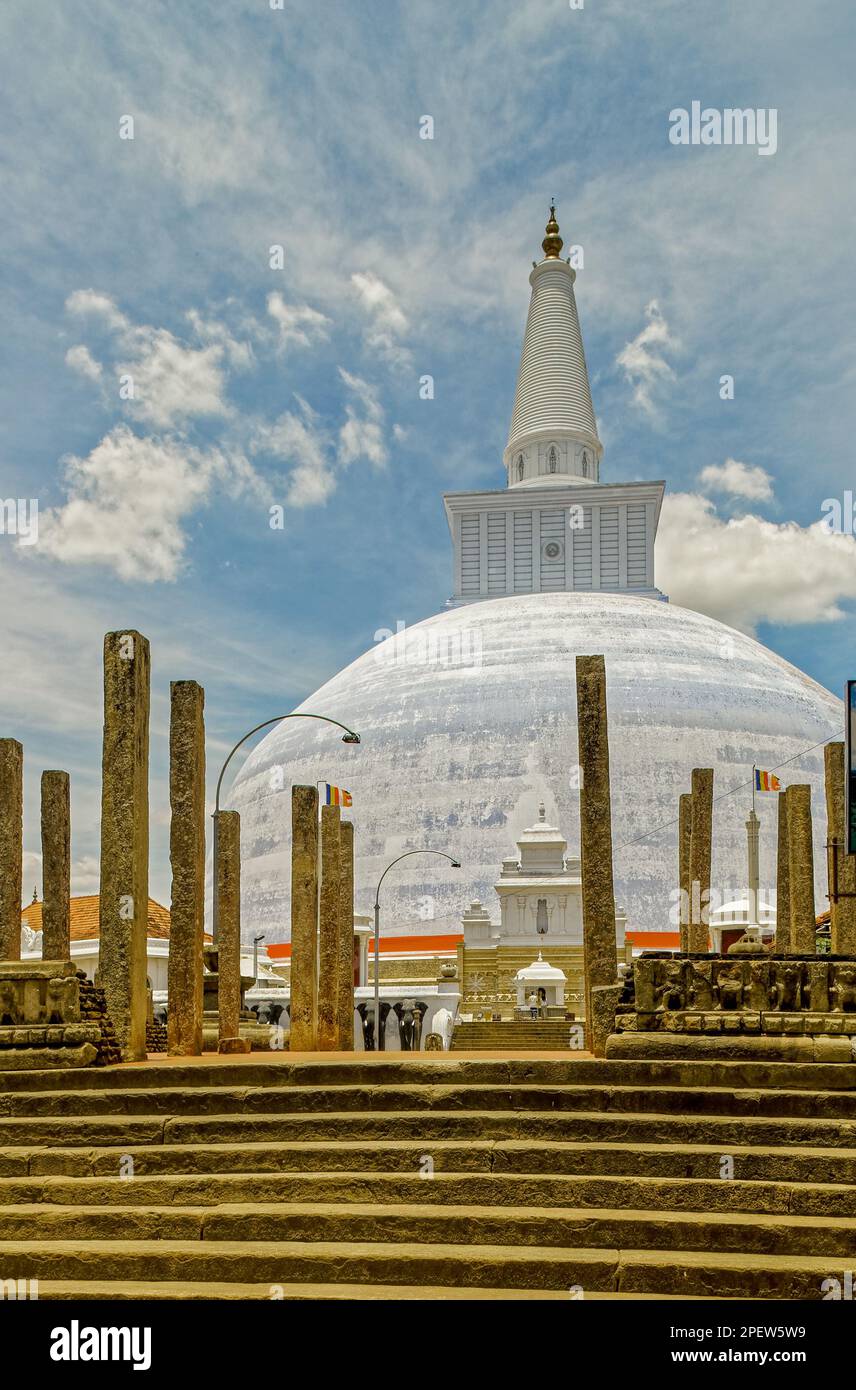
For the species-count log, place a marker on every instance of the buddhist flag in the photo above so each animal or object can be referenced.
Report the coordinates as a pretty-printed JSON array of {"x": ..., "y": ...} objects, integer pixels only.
[
  {"x": 766, "y": 782},
  {"x": 336, "y": 796}
]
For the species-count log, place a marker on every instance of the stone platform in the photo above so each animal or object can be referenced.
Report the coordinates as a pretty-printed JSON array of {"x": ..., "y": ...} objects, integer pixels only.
[
  {"x": 52, "y": 1015},
  {"x": 739, "y": 1006}
]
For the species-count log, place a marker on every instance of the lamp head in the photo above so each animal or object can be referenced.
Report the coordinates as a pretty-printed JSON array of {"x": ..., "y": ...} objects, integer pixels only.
[
  {"x": 456, "y": 863},
  {"x": 350, "y": 738}
]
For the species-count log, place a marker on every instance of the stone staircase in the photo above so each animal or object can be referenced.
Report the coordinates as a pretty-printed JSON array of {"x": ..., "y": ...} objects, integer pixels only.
[
  {"x": 513, "y": 1035},
  {"x": 444, "y": 1178}
]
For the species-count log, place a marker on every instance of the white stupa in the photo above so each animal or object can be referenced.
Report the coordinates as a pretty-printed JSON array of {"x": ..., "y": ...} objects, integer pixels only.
[{"x": 468, "y": 719}]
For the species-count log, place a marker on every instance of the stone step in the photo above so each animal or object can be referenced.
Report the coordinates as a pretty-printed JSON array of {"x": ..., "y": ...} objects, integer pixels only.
[
  {"x": 538, "y": 1189},
  {"x": 153, "y": 1104},
  {"x": 697, "y": 1273},
  {"x": 577, "y": 1157},
  {"x": 428, "y": 1224},
  {"x": 135, "y": 1291},
  {"x": 446, "y": 1069},
  {"x": 429, "y": 1125}
]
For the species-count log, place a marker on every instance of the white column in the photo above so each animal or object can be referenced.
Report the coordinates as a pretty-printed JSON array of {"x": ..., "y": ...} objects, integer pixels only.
[
  {"x": 536, "y": 551},
  {"x": 595, "y": 547},
  {"x": 649, "y": 544},
  {"x": 753, "y": 864},
  {"x": 483, "y": 553},
  {"x": 509, "y": 552}
]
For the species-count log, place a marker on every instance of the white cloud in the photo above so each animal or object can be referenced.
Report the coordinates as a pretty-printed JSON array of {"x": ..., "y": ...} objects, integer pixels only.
[
  {"x": 387, "y": 320},
  {"x": 362, "y": 436},
  {"x": 127, "y": 501},
  {"x": 172, "y": 382},
  {"x": 80, "y": 360},
  {"x": 738, "y": 479},
  {"x": 747, "y": 570},
  {"x": 299, "y": 439},
  {"x": 89, "y": 303},
  {"x": 210, "y": 331},
  {"x": 298, "y": 323},
  {"x": 643, "y": 360}
]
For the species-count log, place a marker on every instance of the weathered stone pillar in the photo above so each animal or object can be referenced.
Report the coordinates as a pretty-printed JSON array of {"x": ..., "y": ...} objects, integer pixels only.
[
  {"x": 842, "y": 913},
  {"x": 685, "y": 827},
  {"x": 187, "y": 860},
  {"x": 701, "y": 852},
  {"x": 345, "y": 1005},
  {"x": 328, "y": 935},
  {"x": 124, "y": 895},
  {"x": 229, "y": 937},
  {"x": 801, "y": 870},
  {"x": 56, "y": 866},
  {"x": 599, "y": 949},
  {"x": 304, "y": 918},
  {"x": 11, "y": 846},
  {"x": 783, "y": 881}
]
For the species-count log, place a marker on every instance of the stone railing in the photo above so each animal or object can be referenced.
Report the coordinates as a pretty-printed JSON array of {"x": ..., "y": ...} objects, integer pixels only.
[{"x": 749, "y": 994}]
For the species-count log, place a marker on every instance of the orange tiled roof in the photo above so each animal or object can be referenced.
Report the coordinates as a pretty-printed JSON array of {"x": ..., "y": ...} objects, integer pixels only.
[
  {"x": 84, "y": 919},
  {"x": 389, "y": 945}
]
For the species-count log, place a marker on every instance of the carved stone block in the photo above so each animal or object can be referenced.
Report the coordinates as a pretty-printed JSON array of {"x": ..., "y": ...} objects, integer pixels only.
[
  {"x": 759, "y": 984},
  {"x": 816, "y": 986},
  {"x": 787, "y": 991},
  {"x": 843, "y": 989},
  {"x": 729, "y": 984},
  {"x": 701, "y": 985},
  {"x": 644, "y": 979}
]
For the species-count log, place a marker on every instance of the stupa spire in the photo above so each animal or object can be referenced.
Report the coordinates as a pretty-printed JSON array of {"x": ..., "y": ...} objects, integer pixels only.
[
  {"x": 552, "y": 243},
  {"x": 553, "y": 436}
]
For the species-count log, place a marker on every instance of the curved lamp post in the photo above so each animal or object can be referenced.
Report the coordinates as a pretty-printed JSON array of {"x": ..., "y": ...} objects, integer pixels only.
[
  {"x": 348, "y": 737},
  {"x": 455, "y": 863}
]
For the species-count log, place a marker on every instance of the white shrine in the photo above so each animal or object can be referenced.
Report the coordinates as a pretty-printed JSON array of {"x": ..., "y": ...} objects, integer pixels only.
[{"x": 540, "y": 905}]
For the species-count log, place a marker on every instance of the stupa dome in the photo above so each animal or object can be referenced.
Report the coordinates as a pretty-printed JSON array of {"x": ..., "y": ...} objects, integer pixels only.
[{"x": 468, "y": 723}]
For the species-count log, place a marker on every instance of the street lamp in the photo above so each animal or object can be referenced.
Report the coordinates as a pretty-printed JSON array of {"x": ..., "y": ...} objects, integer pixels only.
[
  {"x": 256, "y": 941},
  {"x": 348, "y": 737},
  {"x": 456, "y": 864}
]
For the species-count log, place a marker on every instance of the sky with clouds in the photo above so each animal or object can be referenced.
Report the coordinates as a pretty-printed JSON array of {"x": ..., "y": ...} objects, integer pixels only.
[{"x": 231, "y": 312}]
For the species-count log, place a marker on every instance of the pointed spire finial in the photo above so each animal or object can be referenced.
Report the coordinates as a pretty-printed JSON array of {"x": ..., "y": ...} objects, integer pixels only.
[{"x": 552, "y": 243}]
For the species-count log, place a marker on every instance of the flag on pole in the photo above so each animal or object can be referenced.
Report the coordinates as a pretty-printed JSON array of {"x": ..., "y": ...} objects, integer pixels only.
[
  {"x": 335, "y": 796},
  {"x": 766, "y": 782}
]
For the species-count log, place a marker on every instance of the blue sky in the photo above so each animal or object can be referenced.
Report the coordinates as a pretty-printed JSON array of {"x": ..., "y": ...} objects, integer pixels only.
[{"x": 402, "y": 257}]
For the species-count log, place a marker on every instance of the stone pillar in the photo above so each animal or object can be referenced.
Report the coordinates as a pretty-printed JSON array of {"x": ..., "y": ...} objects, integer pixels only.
[
  {"x": 187, "y": 860},
  {"x": 328, "y": 934},
  {"x": 124, "y": 894},
  {"x": 842, "y": 913},
  {"x": 11, "y": 846},
  {"x": 685, "y": 826},
  {"x": 229, "y": 939},
  {"x": 701, "y": 851},
  {"x": 56, "y": 866},
  {"x": 599, "y": 949},
  {"x": 345, "y": 1004},
  {"x": 304, "y": 918},
  {"x": 783, "y": 881},
  {"x": 801, "y": 869}
]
